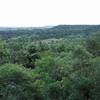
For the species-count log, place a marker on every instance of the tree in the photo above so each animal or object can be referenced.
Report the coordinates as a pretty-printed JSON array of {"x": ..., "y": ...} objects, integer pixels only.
[
  {"x": 4, "y": 52},
  {"x": 31, "y": 55},
  {"x": 16, "y": 83},
  {"x": 93, "y": 44},
  {"x": 81, "y": 58}
]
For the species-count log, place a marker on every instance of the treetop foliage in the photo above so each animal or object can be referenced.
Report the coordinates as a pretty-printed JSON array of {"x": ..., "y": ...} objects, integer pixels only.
[{"x": 50, "y": 69}]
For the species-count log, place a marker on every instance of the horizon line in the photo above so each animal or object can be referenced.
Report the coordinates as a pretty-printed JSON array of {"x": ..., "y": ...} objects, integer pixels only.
[{"x": 45, "y": 25}]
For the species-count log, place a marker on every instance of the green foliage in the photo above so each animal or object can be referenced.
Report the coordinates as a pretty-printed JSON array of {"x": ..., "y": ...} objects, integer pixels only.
[
  {"x": 81, "y": 88},
  {"x": 16, "y": 83},
  {"x": 93, "y": 44},
  {"x": 81, "y": 58},
  {"x": 52, "y": 69},
  {"x": 31, "y": 56},
  {"x": 4, "y": 52}
]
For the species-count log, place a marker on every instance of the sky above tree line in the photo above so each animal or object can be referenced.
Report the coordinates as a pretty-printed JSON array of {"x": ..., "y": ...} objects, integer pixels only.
[{"x": 28, "y": 13}]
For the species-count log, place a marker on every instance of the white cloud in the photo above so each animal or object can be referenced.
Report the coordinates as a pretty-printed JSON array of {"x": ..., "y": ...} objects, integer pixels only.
[{"x": 48, "y": 12}]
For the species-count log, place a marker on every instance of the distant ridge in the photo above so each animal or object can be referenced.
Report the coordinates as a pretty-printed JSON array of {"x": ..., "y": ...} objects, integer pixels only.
[
  {"x": 76, "y": 27},
  {"x": 59, "y": 31}
]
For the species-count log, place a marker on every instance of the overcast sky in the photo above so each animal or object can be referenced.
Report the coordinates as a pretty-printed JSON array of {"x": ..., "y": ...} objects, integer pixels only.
[{"x": 18, "y": 13}]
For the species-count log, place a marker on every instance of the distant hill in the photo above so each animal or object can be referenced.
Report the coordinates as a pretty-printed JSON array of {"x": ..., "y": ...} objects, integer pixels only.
[{"x": 59, "y": 31}]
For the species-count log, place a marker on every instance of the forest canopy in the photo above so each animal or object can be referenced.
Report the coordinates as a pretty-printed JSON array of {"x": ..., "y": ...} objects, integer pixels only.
[{"x": 56, "y": 63}]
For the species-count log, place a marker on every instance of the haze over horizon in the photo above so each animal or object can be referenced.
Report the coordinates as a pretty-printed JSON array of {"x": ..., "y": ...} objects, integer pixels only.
[{"x": 39, "y": 13}]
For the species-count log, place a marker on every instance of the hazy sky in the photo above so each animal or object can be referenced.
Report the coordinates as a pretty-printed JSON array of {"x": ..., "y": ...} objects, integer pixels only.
[{"x": 48, "y": 12}]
